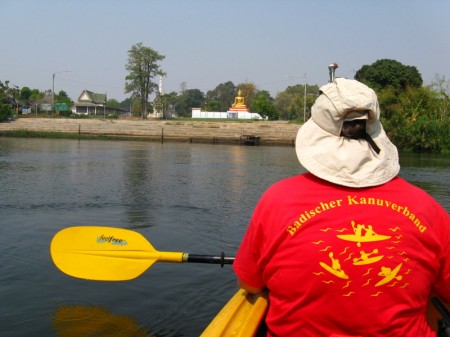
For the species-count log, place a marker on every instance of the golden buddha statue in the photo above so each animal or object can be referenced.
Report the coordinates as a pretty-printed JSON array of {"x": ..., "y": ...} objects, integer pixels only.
[{"x": 239, "y": 101}]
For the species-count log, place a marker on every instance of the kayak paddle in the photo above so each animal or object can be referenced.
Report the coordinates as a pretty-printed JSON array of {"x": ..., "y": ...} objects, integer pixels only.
[{"x": 113, "y": 254}]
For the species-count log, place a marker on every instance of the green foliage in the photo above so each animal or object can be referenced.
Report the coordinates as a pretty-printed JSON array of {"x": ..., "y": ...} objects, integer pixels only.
[
  {"x": 165, "y": 104},
  {"x": 283, "y": 105},
  {"x": 142, "y": 67},
  {"x": 224, "y": 94},
  {"x": 191, "y": 98},
  {"x": 36, "y": 95},
  {"x": 248, "y": 91},
  {"x": 79, "y": 116},
  {"x": 62, "y": 97},
  {"x": 125, "y": 104},
  {"x": 263, "y": 104},
  {"x": 25, "y": 93},
  {"x": 389, "y": 73},
  {"x": 113, "y": 103},
  {"x": 416, "y": 119},
  {"x": 6, "y": 112},
  {"x": 212, "y": 105},
  {"x": 291, "y": 102}
]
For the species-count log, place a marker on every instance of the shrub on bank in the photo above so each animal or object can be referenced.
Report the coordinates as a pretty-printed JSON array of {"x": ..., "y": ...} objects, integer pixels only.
[
  {"x": 416, "y": 119},
  {"x": 6, "y": 113}
]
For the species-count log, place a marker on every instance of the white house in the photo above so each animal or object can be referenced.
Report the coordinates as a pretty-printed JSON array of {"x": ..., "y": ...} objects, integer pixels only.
[{"x": 90, "y": 103}]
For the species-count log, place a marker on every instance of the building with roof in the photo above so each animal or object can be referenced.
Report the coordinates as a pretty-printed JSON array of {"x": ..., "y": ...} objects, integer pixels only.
[{"x": 93, "y": 104}]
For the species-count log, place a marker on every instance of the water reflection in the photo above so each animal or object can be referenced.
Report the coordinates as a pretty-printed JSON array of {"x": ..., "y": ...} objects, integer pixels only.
[
  {"x": 74, "y": 320},
  {"x": 430, "y": 172},
  {"x": 137, "y": 193}
]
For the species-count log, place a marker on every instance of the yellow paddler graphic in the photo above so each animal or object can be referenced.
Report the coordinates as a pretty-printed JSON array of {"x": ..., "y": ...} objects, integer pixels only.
[
  {"x": 389, "y": 275},
  {"x": 365, "y": 258},
  {"x": 368, "y": 236},
  {"x": 382, "y": 265},
  {"x": 335, "y": 267}
]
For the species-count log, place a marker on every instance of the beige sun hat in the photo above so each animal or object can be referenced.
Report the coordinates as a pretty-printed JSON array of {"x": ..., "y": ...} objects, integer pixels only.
[{"x": 349, "y": 162}]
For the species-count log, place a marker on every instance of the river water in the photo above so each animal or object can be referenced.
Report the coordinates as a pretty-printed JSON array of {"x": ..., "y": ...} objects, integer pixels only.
[{"x": 194, "y": 198}]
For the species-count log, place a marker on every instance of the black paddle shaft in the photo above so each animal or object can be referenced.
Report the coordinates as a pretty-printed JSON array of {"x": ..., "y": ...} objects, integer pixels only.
[
  {"x": 222, "y": 259},
  {"x": 444, "y": 322}
]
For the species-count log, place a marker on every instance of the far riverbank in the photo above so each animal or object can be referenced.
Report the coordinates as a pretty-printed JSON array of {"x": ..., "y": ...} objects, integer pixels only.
[{"x": 280, "y": 133}]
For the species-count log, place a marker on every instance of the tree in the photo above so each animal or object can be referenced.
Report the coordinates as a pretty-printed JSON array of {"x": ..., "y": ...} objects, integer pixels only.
[
  {"x": 62, "y": 97},
  {"x": 211, "y": 105},
  {"x": 224, "y": 93},
  {"x": 189, "y": 98},
  {"x": 283, "y": 104},
  {"x": 248, "y": 91},
  {"x": 143, "y": 67},
  {"x": 263, "y": 104},
  {"x": 165, "y": 104},
  {"x": 4, "y": 88},
  {"x": 389, "y": 73},
  {"x": 6, "y": 112},
  {"x": 36, "y": 95},
  {"x": 113, "y": 103},
  {"x": 291, "y": 102},
  {"x": 169, "y": 102},
  {"x": 25, "y": 94},
  {"x": 416, "y": 119}
]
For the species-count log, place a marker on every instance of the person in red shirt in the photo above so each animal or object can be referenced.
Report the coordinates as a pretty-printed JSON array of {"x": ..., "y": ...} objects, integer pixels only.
[{"x": 349, "y": 248}]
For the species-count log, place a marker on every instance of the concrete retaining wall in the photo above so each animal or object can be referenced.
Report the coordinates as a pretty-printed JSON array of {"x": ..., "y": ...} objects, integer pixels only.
[{"x": 269, "y": 132}]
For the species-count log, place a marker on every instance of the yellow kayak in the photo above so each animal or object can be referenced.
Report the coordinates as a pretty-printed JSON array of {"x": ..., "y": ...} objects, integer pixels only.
[
  {"x": 244, "y": 313},
  {"x": 240, "y": 317}
]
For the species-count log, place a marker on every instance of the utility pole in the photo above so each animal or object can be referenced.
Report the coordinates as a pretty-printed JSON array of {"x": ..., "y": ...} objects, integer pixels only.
[
  {"x": 304, "y": 102},
  {"x": 53, "y": 87}
]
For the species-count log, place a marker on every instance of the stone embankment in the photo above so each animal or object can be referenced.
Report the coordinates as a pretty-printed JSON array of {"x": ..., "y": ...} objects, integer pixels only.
[{"x": 239, "y": 132}]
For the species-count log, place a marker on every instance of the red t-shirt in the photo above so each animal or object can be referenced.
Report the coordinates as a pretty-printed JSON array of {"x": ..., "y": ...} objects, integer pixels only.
[{"x": 346, "y": 261}]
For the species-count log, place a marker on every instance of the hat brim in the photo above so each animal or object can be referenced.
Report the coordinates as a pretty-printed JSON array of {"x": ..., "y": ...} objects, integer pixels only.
[{"x": 347, "y": 162}]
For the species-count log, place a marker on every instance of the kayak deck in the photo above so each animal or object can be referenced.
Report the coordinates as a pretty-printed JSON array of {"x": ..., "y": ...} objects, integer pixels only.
[
  {"x": 240, "y": 317},
  {"x": 243, "y": 316}
]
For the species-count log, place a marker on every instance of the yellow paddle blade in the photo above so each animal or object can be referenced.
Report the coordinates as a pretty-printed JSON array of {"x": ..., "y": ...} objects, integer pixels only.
[
  {"x": 104, "y": 253},
  {"x": 240, "y": 317}
]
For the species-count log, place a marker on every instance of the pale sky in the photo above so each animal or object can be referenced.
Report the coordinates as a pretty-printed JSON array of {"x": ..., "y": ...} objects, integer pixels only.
[{"x": 271, "y": 43}]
